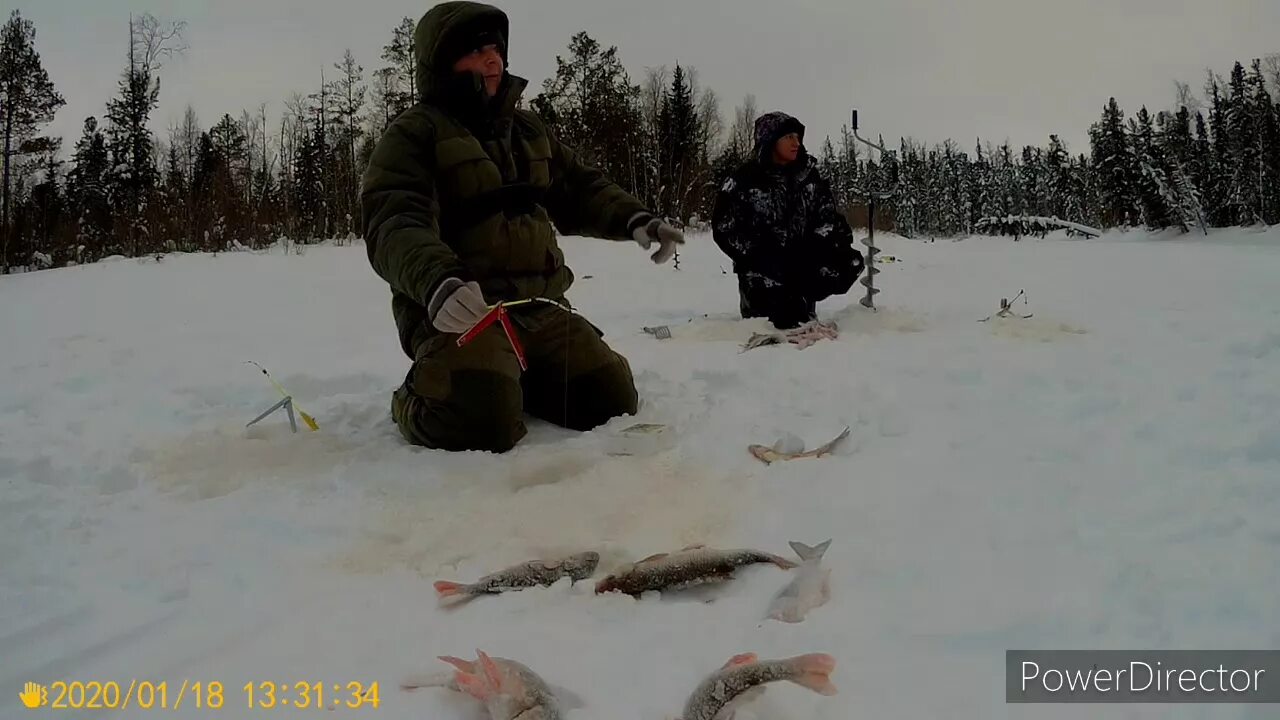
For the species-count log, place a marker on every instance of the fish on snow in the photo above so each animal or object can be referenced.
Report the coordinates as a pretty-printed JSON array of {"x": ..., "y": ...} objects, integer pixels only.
[
  {"x": 744, "y": 678},
  {"x": 691, "y": 565},
  {"x": 509, "y": 689},
  {"x": 810, "y": 588},
  {"x": 533, "y": 573}
]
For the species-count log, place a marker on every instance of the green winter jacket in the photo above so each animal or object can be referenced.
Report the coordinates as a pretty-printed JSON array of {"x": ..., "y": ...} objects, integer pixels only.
[{"x": 464, "y": 186}]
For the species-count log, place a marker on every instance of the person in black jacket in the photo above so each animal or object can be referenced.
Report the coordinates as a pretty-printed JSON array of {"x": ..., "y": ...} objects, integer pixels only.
[{"x": 776, "y": 219}]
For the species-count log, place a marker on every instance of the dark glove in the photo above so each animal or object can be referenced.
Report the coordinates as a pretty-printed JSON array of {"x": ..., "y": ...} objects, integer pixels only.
[{"x": 838, "y": 271}]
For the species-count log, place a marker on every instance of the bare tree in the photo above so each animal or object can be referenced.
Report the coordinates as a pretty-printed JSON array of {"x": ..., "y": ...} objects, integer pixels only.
[
  {"x": 1271, "y": 63},
  {"x": 1185, "y": 98},
  {"x": 742, "y": 134},
  {"x": 154, "y": 42}
]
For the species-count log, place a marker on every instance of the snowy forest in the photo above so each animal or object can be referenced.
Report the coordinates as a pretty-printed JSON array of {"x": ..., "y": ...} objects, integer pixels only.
[{"x": 246, "y": 180}]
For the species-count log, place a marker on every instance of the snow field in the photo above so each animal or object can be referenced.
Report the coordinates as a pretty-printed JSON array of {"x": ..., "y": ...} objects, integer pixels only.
[{"x": 1100, "y": 475}]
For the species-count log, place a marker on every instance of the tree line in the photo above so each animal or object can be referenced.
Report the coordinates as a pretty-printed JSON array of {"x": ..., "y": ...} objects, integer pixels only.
[{"x": 246, "y": 181}]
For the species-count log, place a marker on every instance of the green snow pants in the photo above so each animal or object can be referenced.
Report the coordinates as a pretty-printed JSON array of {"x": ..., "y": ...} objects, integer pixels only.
[{"x": 474, "y": 397}]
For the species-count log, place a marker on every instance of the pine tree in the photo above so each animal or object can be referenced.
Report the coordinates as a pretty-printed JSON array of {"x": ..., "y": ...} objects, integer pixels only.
[
  {"x": 1218, "y": 165},
  {"x": 225, "y": 161},
  {"x": 988, "y": 200},
  {"x": 348, "y": 91},
  {"x": 1244, "y": 157},
  {"x": 28, "y": 100},
  {"x": 1266, "y": 128},
  {"x": 397, "y": 81},
  {"x": 1117, "y": 168},
  {"x": 677, "y": 148},
  {"x": 87, "y": 193},
  {"x": 45, "y": 206},
  {"x": 591, "y": 105},
  {"x": 134, "y": 174},
  {"x": 1056, "y": 179}
]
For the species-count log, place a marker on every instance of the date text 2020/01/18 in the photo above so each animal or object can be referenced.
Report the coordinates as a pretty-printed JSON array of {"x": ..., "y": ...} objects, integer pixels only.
[{"x": 202, "y": 695}]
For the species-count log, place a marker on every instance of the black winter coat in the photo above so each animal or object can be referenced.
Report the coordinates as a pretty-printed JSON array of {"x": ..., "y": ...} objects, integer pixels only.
[{"x": 779, "y": 225}]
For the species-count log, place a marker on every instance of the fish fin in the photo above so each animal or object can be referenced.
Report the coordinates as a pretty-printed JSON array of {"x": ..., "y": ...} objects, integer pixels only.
[
  {"x": 806, "y": 552},
  {"x": 448, "y": 588},
  {"x": 466, "y": 666},
  {"x": 740, "y": 659},
  {"x": 651, "y": 558},
  {"x": 503, "y": 683},
  {"x": 815, "y": 672},
  {"x": 473, "y": 685},
  {"x": 699, "y": 546}
]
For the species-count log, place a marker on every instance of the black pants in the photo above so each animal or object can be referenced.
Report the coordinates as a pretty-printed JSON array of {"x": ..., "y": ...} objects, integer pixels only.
[{"x": 784, "y": 306}]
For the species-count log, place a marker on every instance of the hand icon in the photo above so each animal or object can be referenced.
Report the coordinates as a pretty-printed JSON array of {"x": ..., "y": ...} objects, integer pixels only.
[{"x": 34, "y": 695}]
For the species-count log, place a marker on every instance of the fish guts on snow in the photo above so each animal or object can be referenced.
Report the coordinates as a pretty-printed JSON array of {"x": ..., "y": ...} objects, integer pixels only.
[
  {"x": 689, "y": 566},
  {"x": 744, "y": 677},
  {"x": 533, "y": 573}
]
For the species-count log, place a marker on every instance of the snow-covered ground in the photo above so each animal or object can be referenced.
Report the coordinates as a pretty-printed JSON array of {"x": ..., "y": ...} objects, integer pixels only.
[{"x": 1101, "y": 475}]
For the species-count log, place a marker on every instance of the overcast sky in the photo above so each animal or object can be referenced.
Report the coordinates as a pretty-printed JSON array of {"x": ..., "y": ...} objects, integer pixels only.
[{"x": 930, "y": 69}]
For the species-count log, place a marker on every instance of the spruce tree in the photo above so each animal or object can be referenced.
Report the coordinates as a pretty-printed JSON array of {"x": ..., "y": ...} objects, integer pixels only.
[
  {"x": 87, "y": 193},
  {"x": 1266, "y": 126},
  {"x": 1244, "y": 193},
  {"x": 677, "y": 147},
  {"x": 1117, "y": 168}
]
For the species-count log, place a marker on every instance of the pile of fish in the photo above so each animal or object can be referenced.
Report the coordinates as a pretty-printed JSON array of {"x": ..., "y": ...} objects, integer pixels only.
[{"x": 510, "y": 690}]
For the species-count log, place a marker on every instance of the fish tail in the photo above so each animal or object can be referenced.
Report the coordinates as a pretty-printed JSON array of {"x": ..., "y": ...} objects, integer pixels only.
[
  {"x": 448, "y": 588},
  {"x": 813, "y": 671},
  {"x": 810, "y": 553}
]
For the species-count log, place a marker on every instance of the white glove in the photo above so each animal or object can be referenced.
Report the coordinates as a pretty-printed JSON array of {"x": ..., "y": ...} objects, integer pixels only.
[
  {"x": 666, "y": 235},
  {"x": 457, "y": 306}
]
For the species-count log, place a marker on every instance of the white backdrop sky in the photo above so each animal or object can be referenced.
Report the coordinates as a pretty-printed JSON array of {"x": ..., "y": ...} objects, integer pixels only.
[{"x": 930, "y": 69}]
